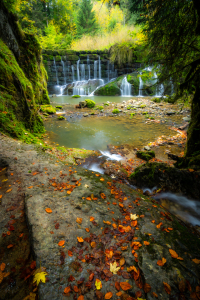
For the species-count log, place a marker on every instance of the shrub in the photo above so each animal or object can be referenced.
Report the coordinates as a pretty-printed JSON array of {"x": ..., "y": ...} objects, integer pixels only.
[
  {"x": 90, "y": 103},
  {"x": 48, "y": 109},
  {"x": 76, "y": 96},
  {"x": 115, "y": 111}
]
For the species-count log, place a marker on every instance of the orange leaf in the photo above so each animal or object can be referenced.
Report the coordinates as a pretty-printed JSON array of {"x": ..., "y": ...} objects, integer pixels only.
[
  {"x": 167, "y": 287},
  {"x": 79, "y": 220},
  {"x": 80, "y": 239},
  {"x": 132, "y": 268},
  {"x": 2, "y": 266},
  {"x": 146, "y": 243},
  {"x": 61, "y": 243},
  {"x": 10, "y": 246},
  {"x": 91, "y": 219},
  {"x": 93, "y": 244},
  {"x": 68, "y": 192},
  {"x": 91, "y": 276},
  {"x": 30, "y": 187},
  {"x": 180, "y": 258},
  {"x": 87, "y": 229},
  {"x": 108, "y": 295},
  {"x": 81, "y": 297},
  {"x": 122, "y": 261},
  {"x": 88, "y": 198},
  {"x": 173, "y": 253},
  {"x": 21, "y": 235},
  {"x": 48, "y": 210},
  {"x": 107, "y": 222},
  {"x": 153, "y": 221},
  {"x": 8, "y": 191},
  {"x": 103, "y": 196},
  {"x": 117, "y": 285},
  {"x": 169, "y": 228},
  {"x": 155, "y": 295},
  {"x": 114, "y": 225},
  {"x": 51, "y": 232},
  {"x": 125, "y": 286},
  {"x": 67, "y": 290},
  {"x": 158, "y": 226},
  {"x": 1, "y": 196},
  {"x": 161, "y": 262},
  {"x": 196, "y": 261},
  {"x": 121, "y": 205},
  {"x": 70, "y": 253},
  {"x": 147, "y": 288},
  {"x": 75, "y": 289},
  {"x": 119, "y": 294},
  {"x": 134, "y": 223},
  {"x": 101, "y": 179}
]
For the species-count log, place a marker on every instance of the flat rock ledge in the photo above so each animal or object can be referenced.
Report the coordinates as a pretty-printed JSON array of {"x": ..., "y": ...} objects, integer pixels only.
[{"x": 108, "y": 229}]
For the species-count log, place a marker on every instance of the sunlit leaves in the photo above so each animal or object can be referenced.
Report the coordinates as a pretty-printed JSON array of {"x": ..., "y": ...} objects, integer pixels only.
[
  {"x": 113, "y": 267},
  {"x": 48, "y": 210},
  {"x": 98, "y": 284}
]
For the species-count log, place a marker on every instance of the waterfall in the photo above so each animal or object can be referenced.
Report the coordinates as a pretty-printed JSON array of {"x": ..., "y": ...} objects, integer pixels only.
[
  {"x": 78, "y": 89},
  {"x": 99, "y": 67},
  {"x": 56, "y": 71},
  {"x": 125, "y": 87},
  {"x": 73, "y": 73},
  {"x": 88, "y": 65},
  {"x": 82, "y": 67},
  {"x": 108, "y": 70},
  {"x": 140, "y": 86},
  {"x": 95, "y": 69},
  {"x": 172, "y": 86},
  {"x": 159, "y": 88},
  {"x": 64, "y": 71},
  {"x": 78, "y": 74}
]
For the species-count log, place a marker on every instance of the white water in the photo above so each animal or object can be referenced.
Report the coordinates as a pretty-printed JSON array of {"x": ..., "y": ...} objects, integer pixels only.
[
  {"x": 82, "y": 67},
  {"x": 73, "y": 73},
  {"x": 95, "y": 69},
  {"x": 56, "y": 71},
  {"x": 125, "y": 88},
  {"x": 99, "y": 67},
  {"x": 78, "y": 71},
  {"x": 88, "y": 65},
  {"x": 159, "y": 88},
  {"x": 111, "y": 156},
  {"x": 64, "y": 71},
  {"x": 140, "y": 86}
]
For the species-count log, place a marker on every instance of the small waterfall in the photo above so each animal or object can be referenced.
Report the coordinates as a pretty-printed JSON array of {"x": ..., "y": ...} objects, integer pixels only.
[
  {"x": 125, "y": 87},
  {"x": 78, "y": 72},
  {"x": 108, "y": 70},
  {"x": 140, "y": 86},
  {"x": 64, "y": 70},
  {"x": 78, "y": 89},
  {"x": 172, "y": 86},
  {"x": 95, "y": 69},
  {"x": 56, "y": 71},
  {"x": 99, "y": 67},
  {"x": 88, "y": 65},
  {"x": 82, "y": 67},
  {"x": 159, "y": 88},
  {"x": 73, "y": 73}
]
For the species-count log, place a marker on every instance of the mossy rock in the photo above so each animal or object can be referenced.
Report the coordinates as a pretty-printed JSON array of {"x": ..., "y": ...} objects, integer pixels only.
[
  {"x": 58, "y": 58},
  {"x": 76, "y": 96},
  {"x": 61, "y": 118},
  {"x": 49, "y": 109},
  {"x": 72, "y": 57},
  {"x": 145, "y": 155},
  {"x": 90, "y": 103},
  {"x": 58, "y": 106},
  {"x": 115, "y": 111},
  {"x": 156, "y": 99},
  {"x": 110, "y": 89}
]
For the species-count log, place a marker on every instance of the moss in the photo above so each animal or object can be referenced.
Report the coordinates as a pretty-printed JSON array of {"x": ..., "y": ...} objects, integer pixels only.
[
  {"x": 106, "y": 104},
  {"x": 73, "y": 57},
  {"x": 76, "y": 96},
  {"x": 58, "y": 58},
  {"x": 128, "y": 107},
  {"x": 157, "y": 100},
  {"x": 61, "y": 118},
  {"x": 115, "y": 111},
  {"x": 142, "y": 106},
  {"x": 110, "y": 89},
  {"x": 49, "y": 109},
  {"x": 99, "y": 107},
  {"x": 90, "y": 103},
  {"x": 145, "y": 155},
  {"x": 59, "y": 106}
]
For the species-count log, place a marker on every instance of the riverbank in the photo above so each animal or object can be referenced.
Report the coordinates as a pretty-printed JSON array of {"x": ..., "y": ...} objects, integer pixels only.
[{"x": 111, "y": 221}]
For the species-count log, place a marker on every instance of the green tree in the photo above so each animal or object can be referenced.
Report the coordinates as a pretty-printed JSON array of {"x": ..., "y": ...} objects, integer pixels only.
[
  {"x": 172, "y": 30},
  {"x": 86, "y": 21}
]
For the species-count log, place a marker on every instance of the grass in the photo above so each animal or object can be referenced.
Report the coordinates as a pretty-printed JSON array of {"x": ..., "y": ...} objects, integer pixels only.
[{"x": 106, "y": 40}]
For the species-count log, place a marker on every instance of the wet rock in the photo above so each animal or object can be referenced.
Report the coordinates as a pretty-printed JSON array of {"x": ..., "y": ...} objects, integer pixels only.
[
  {"x": 171, "y": 112},
  {"x": 187, "y": 119},
  {"x": 147, "y": 148}
]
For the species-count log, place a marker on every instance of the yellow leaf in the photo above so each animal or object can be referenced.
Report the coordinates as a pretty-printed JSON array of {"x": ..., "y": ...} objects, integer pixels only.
[
  {"x": 40, "y": 277},
  {"x": 113, "y": 268},
  {"x": 79, "y": 220},
  {"x": 98, "y": 284},
  {"x": 80, "y": 239},
  {"x": 133, "y": 217}
]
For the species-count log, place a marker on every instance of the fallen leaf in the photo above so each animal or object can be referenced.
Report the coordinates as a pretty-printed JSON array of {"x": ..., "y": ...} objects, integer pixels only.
[
  {"x": 167, "y": 288},
  {"x": 98, "y": 284},
  {"x": 91, "y": 219},
  {"x": 155, "y": 295},
  {"x": 67, "y": 290},
  {"x": 113, "y": 267},
  {"x": 68, "y": 192},
  {"x": 133, "y": 217},
  {"x": 161, "y": 262},
  {"x": 80, "y": 239},
  {"x": 103, "y": 196},
  {"x": 81, "y": 297},
  {"x": 87, "y": 229},
  {"x": 70, "y": 253},
  {"x": 9, "y": 246},
  {"x": 147, "y": 288},
  {"x": 61, "y": 243},
  {"x": 75, "y": 289},
  {"x": 117, "y": 285},
  {"x": 158, "y": 226},
  {"x": 122, "y": 261},
  {"x": 196, "y": 261},
  {"x": 93, "y": 244},
  {"x": 101, "y": 179},
  {"x": 30, "y": 187},
  {"x": 8, "y": 191},
  {"x": 2, "y": 266},
  {"x": 107, "y": 222},
  {"x": 79, "y": 220},
  {"x": 91, "y": 276},
  {"x": 146, "y": 243},
  {"x": 125, "y": 286},
  {"x": 108, "y": 295},
  {"x": 132, "y": 268},
  {"x": 48, "y": 210},
  {"x": 173, "y": 253},
  {"x": 119, "y": 294},
  {"x": 40, "y": 277}
]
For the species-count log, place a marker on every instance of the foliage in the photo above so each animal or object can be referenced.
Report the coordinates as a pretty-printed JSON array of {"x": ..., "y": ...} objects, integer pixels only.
[
  {"x": 49, "y": 109},
  {"x": 86, "y": 20},
  {"x": 90, "y": 103}
]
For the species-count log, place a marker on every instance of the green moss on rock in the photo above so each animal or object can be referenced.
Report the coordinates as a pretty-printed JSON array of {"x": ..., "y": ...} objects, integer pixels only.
[
  {"x": 90, "y": 103},
  {"x": 49, "y": 109},
  {"x": 145, "y": 155},
  {"x": 110, "y": 89}
]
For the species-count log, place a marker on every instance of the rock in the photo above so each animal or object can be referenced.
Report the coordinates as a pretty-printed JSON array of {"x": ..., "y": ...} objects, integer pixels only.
[
  {"x": 145, "y": 155},
  {"x": 171, "y": 112},
  {"x": 147, "y": 148},
  {"x": 82, "y": 104},
  {"x": 86, "y": 115},
  {"x": 186, "y": 119}
]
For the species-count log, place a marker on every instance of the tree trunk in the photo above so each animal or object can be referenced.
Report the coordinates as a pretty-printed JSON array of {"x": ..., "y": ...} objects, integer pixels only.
[{"x": 193, "y": 134}]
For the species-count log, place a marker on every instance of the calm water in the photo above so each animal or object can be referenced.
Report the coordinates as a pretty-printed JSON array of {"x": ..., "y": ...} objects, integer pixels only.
[
  {"x": 96, "y": 133},
  {"x": 97, "y": 99}
]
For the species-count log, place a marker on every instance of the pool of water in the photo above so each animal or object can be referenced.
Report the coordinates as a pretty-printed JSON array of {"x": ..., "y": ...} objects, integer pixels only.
[
  {"x": 97, "y": 99},
  {"x": 95, "y": 132}
]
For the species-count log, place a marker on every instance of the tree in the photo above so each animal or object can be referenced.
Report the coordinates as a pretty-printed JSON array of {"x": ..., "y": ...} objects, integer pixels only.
[
  {"x": 172, "y": 30},
  {"x": 86, "y": 20}
]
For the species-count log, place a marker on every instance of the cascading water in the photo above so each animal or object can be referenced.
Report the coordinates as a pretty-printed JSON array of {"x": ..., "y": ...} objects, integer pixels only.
[
  {"x": 78, "y": 71},
  {"x": 64, "y": 70},
  {"x": 73, "y": 78},
  {"x": 140, "y": 86},
  {"x": 88, "y": 65},
  {"x": 82, "y": 67},
  {"x": 56, "y": 71},
  {"x": 125, "y": 87},
  {"x": 95, "y": 69},
  {"x": 99, "y": 67},
  {"x": 159, "y": 88}
]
